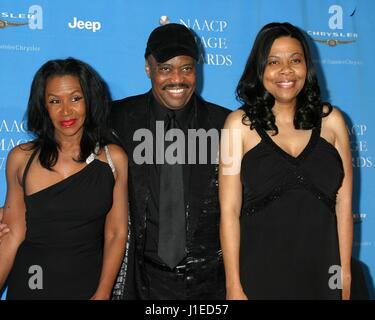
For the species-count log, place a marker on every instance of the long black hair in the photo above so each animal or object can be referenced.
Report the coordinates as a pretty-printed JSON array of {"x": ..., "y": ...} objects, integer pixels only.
[
  {"x": 258, "y": 102},
  {"x": 97, "y": 102}
]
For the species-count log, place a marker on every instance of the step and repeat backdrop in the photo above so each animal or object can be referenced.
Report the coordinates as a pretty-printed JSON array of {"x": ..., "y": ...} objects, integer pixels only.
[{"x": 112, "y": 35}]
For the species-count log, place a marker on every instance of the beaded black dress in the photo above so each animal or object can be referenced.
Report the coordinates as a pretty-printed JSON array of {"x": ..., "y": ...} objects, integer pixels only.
[
  {"x": 62, "y": 254},
  {"x": 289, "y": 243}
]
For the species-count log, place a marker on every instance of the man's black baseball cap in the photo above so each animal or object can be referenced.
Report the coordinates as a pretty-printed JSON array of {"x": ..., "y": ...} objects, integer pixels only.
[{"x": 171, "y": 40}]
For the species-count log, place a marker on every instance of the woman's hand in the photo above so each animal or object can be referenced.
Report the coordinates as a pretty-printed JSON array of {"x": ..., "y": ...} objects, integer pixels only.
[
  {"x": 100, "y": 296},
  {"x": 346, "y": 280},
  {"x": 236, "y": 294},
  {"x": 3, "y": 230}
]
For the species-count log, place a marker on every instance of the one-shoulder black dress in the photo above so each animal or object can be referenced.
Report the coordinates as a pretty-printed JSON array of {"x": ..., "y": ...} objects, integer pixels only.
[
  {"x": 289, "y": 242},
  {"x": 64, "y": 237}
]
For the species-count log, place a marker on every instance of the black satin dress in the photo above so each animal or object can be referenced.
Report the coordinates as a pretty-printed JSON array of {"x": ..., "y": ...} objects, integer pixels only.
[
  {"x": 289, "y": 243},
  {"x": 64, "y": 237}
]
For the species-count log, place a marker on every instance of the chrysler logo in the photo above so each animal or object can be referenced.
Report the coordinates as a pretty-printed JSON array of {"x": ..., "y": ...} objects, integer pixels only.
[
  {"x": 333, "y": 42},
  {"x": 4, "y": 24}
]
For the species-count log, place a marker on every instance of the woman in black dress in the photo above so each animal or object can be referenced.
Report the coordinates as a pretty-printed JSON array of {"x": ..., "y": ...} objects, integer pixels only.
[
  {"x": 66, "y": 204},
  {"x": 285, "y": 179}
]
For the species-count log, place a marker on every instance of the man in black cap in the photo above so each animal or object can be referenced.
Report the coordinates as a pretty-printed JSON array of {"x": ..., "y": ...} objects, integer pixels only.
[{"x": 173, "y": 249}]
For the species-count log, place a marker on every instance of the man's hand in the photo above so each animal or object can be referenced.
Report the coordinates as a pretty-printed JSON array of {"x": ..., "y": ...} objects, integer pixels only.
[{"x": 3, "y": 227}]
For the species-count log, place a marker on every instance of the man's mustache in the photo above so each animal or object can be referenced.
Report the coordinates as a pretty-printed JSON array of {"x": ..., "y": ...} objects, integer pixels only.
[{"x": 176, "y": 85}]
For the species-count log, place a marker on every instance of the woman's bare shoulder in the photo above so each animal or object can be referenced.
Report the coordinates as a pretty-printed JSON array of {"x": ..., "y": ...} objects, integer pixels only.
[
  {"x": 334, "y": 127},
  {"x": 117, "y": 152},
  {"x": 118, "y": 156},
  {"x": 235, "y": 118},
  {"x": 18, "y": 157},
  {"x": 21, "y": 152},
  {"x": 334, "y": 121}
]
